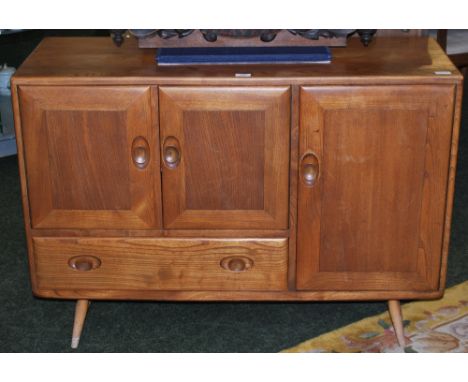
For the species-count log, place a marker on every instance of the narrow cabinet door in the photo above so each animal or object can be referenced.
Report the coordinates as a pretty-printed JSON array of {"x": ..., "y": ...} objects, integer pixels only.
[
  {"x": 91, "y": 156},
  {"x": 372, "y": 186},
  {"x": 225, "y": 153}
]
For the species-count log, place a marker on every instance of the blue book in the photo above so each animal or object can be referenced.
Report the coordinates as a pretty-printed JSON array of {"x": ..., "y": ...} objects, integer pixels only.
[{"x": 244, "y": 55}]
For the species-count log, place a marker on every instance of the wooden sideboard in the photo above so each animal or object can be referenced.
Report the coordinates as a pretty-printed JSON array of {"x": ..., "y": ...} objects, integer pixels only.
[{"x": 281, "y": 182}]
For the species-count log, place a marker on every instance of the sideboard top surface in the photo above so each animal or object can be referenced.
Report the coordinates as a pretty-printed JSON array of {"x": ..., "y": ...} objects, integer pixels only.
[{"x": 96, "y": 60}]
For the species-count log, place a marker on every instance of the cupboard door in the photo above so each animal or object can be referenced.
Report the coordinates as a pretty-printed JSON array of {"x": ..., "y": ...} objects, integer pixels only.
[
  {"x": 225, "y": 153},
  {"x": 91, "y": 157},
  {"x": 372, "y": 186}
]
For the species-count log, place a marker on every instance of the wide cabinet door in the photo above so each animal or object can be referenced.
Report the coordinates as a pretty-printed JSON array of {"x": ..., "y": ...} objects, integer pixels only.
[
  {"x": 372, "y": 186},
  {"x": 91, "y": 156},
  {"x": 225, "y": 153}
]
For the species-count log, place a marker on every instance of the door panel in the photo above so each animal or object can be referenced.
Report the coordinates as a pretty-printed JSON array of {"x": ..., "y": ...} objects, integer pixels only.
[
  {"x": 82, "y": 148},
  {"x": 231, "y": 148},
  {"x": 373, "y": 218}
]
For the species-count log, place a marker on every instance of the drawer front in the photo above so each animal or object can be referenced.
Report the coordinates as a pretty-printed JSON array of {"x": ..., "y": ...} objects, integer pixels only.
[{"x": 161, "y": 264}]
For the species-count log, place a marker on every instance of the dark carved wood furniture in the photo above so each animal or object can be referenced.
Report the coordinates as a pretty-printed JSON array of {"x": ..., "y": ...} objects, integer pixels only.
[
  {"x": 298, "y": 182},
  {"x": 160, "y": 38}
]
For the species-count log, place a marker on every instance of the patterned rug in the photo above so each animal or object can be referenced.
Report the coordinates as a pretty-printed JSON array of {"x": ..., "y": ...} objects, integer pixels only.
[{"x": 439, "y": 326}]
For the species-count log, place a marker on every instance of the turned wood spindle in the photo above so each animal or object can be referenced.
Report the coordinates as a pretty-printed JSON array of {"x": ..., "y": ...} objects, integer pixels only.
[
  {"x": 80, "y": 315},
  {"x": 394, "y": 308}
]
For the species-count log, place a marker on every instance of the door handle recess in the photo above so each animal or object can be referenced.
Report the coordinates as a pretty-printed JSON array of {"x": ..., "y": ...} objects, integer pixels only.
[
  {"x": 84, "y": 263},
  {"x": 140, "y": 152},
  {"x": 310, "y": 170},
  {"x": 237, "y": 263},
  {"x": 171, "y": 152}
]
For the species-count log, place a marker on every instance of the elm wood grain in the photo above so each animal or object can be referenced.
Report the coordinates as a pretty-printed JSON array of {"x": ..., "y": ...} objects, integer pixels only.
[
  {"x": 251, "y": 233},
  {"x": 161, "y": 264},
  {"x": 78, "y": 143},
  {"x": 94, "y": 61},
  {"x": 309, "y": 198},
  {"x": 397, "y": 320},
  {"x": 293, "y": 174},
  {"x": 435, "y": 197},
  {"x": 233, "y": 145},
  {"x": 226, "y": 149},
  {"x": 24, "y": 186},
  {"x": 82, "y": 178},
  {"x": 155, "y": 157},
  {"x": 451, "y": 183},
  {"x": 372, "y": 181},
  {"x": 383, "y": 158},
  {"x": 196, "y": 39},
  {"x": 305, "y": 296},
  {"x": 80, "y": 316}
]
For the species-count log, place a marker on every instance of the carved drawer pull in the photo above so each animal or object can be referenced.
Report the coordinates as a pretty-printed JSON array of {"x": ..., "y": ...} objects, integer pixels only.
[
  {"x": 237, "y": 263},
  {"x": 140, "y": 152},
  {"x": 84, "y": 263}
]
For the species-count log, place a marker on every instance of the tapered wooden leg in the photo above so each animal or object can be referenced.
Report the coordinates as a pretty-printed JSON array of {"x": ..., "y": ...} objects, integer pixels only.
[
  {"x": 397, "y": 320},
  {"x": 80, "y": 315}
]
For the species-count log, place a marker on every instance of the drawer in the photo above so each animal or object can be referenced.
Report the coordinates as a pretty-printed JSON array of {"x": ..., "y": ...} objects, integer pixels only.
[{"x": 161, "y": 264}]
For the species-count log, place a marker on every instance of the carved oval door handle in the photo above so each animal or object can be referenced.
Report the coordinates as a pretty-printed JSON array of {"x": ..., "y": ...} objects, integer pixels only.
[
  {"x": 84, "y": 263},
  {"x": 237, "y": 263},
  {"x": 310, "y": 174},
  {"x": 310, "y": 169},
  {"x": 171, "y": 156},
  {"x": 140, "y": 152},
  {"x": 171, "y": 152}
]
